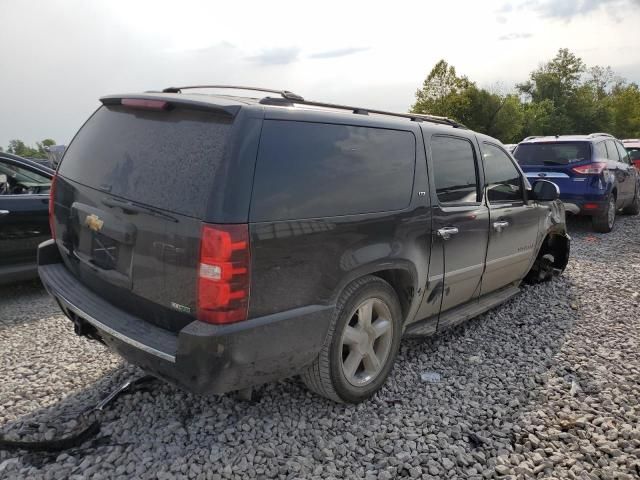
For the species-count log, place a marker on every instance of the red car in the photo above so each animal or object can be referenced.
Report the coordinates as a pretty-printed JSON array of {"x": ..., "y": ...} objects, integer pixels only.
[{"x": 633, "y": 147}]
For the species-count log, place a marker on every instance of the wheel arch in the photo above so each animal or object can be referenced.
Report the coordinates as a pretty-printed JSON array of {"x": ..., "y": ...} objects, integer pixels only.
[
  {"x": 559, "y": 245},
  {"x": 403, "y": 283},
  {"x": 402, "y": 275}
]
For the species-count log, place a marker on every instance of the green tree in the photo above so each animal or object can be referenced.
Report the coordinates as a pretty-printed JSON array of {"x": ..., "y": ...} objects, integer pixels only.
[
  {"x": 447, "y": 94},
  {"x": 556, "y": 80},
  {"x": 18, "y": 147},
  {"x": 41, "y": 146},
  {"x": 508, "y": 121},
  {"x": 441, "y": 84},
  {"x": 624, "y": 105},
  {"x": 561, "y": 96},
  {"x": 601, "y": 80}
]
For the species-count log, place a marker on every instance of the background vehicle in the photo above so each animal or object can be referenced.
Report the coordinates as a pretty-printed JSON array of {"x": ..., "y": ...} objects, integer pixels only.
[
  {"x": 510, "y": 147},
  {"x": 632, "y": 146},
  {"x": 221, "y": 241},
  {"x": 54, "y": 154},
  {"x": 24, "y": 205},
  {"x": 594, "y": 174}
]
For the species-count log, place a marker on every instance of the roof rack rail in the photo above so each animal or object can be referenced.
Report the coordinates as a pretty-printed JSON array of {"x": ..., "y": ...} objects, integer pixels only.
[
  {"x": 290, "y": 98},
  {"x": 416, "y": 117},
  {"x": 284, "y": 93},
  {"x": 532, "y": 137},
  {"x": 601, "y": 134}
]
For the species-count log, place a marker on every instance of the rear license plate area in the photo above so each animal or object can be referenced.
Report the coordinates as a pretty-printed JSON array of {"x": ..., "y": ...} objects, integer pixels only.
[{"x": 104, "y": 251}]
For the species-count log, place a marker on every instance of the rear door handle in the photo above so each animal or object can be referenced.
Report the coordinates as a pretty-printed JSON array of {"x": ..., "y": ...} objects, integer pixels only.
[
  {"x": 4, "y": 212},
  {"x": 499, "y": 226},
  {"x": 446, "y": 233}
]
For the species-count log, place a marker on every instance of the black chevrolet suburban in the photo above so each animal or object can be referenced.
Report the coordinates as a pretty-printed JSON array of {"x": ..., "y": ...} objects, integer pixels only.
[{"x": 223, "y": 241}]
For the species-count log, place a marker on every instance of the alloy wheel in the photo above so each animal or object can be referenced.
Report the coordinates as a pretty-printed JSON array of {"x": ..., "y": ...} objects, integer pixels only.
[{"x": 366, "y": 342}]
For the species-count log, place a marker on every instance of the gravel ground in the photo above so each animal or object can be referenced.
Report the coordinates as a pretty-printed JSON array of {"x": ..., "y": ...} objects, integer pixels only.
[{"x": 547, "y": 385}]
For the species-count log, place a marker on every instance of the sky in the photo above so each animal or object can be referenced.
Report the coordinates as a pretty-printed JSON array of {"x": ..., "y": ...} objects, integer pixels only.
[{"x": 58, "y": 57}]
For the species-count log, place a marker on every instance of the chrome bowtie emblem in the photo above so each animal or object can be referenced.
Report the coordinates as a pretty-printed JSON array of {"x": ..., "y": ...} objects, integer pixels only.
[{"x": 93, "y": 222}]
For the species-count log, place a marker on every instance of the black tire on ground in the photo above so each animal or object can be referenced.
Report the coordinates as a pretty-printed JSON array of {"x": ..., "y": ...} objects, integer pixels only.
[
  {"x": 329, "y": 375},
  {"x": 605, "y": 221},
  {"x": 634, "y": 208}
]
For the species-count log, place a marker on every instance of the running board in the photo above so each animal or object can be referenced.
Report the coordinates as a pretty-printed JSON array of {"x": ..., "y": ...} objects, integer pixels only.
[{"x": 462, "y": 313}]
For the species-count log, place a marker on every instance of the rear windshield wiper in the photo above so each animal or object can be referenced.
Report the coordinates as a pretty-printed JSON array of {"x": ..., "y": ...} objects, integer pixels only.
[{"x": 132, "y": 207}]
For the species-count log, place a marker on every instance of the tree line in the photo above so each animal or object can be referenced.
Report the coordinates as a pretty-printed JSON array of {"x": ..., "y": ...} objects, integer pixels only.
[
  {"x": 562, "y": 96},
  {"x": 18, "y": 147}
]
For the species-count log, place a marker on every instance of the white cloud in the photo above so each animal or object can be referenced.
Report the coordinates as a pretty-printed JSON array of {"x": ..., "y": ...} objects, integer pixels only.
[{"x": 60, "y": 56}]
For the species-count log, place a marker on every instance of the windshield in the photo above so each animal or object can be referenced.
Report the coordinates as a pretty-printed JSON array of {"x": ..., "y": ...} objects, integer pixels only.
[{"x": 556, "y": 153}]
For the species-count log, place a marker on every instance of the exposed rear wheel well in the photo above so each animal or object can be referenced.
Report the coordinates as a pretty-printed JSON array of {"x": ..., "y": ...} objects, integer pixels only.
[{"x": 402, "y": 282}]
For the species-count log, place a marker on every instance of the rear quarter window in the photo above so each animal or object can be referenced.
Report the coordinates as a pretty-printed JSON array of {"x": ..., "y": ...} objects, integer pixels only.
[
  {"x": 163, "y": 159},
  {"x": 308, "y": 170}
]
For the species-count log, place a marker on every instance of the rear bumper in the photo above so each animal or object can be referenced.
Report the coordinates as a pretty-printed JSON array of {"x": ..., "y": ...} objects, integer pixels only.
[
  {"x": 201, "y": 358},
  {"x": 581, "y": 196},
  {"x": 585, "y": 207}
]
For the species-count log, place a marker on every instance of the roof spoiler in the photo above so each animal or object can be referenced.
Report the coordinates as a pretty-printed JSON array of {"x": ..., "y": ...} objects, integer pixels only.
[{"x": 194, "y": 104}]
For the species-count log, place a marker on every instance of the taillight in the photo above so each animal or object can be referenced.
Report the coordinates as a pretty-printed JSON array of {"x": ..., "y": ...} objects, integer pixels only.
[
  {"x": 144, "y": 104},
  {"x": 223, "y": 273},
  {"x": 52, "y": 193},
  {"x": 591, "y": 168}
]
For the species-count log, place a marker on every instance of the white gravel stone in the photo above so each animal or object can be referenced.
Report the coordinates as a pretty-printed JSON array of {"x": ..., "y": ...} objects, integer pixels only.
[{"x": 504, "y": 406}]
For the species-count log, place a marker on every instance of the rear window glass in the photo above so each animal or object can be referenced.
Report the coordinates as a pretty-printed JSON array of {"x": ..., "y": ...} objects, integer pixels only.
[
  {"x": 308, "y": 170},
  {"x": 557, "y": 153},
  {"x": 163, "y": 159}
]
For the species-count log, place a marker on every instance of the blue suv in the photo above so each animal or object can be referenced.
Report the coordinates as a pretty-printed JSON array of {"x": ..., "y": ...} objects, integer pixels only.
[{"x": 593, "y": 172}]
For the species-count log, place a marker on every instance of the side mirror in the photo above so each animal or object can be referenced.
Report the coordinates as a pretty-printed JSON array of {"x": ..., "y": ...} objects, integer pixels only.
[{"x": 545, "y": 191}]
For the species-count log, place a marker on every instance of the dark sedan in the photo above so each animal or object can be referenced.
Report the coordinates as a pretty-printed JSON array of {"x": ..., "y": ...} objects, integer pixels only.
[{"x": 24, "y": 223}]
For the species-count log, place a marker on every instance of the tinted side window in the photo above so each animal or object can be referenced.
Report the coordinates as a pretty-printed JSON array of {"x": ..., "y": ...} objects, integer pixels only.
[
  {"x": 307, "y": 170},
  {"x": 624, "y": 155},
  {"x": 455, "y": 172},
  {"x": 612, "y": 152},
  {"x": 600, "y": 151},
  {"x": 502, "y": 178}
]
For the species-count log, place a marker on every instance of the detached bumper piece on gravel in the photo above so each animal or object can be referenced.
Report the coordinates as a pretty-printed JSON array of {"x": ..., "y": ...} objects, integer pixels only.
[
  {"x": 201, "y": 358},
  {"x": 89, "y": 427}
]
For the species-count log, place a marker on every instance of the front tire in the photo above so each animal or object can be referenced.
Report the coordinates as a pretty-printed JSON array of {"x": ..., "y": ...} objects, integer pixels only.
[
  {"x": 605, "y": 221},
  {"x": 361, "y": 345}
]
